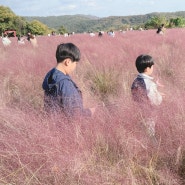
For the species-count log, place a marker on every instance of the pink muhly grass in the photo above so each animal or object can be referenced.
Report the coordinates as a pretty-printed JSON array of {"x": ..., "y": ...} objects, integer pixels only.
[{"x": 112, "y": 147}]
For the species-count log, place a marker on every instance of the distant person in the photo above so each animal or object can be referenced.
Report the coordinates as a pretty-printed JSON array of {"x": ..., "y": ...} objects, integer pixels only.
[
  {"x": 140, "y": 29},
  {"x": 100, "y": 34},
  {"x": 111, "y": 33},
  {"x": 144, "y": 91},
  {"x": 61, "y": 94},
  {"x": 32, "y": 39},
  {"x": 20, "y": 40},
  {"x": 53, "y": 33},
  {"x": 29, "y": 36},
  {"x": 92, "y": 34},
  {"x": 161, "y": 29},
  {"x": 5, "y": 40}
]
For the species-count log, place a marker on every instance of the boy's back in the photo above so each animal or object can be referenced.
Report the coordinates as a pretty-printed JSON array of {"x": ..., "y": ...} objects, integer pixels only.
[
  {"x": 144, "y": 89},
  {"x": 138, "y": 90}
]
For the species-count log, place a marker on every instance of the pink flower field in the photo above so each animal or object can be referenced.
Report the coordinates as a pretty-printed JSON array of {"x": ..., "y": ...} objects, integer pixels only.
[{"x": 111, "y": 148}]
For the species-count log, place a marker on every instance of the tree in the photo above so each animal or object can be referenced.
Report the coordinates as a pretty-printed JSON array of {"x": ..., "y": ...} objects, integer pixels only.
[
  {"x": 62, "y": 30},
  {"x": 155, "y": 22},
  {"x": 9, "y": 21},
  {"x": 6, "y": 19},
  {"x": 177, "y": 22},
  {"x": 37, "y": 28},
  {"x": 19, "y": 24}
]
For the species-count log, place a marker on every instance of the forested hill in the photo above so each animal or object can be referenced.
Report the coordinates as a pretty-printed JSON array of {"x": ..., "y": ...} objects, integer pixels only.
[{"x": 85, "y": 23}]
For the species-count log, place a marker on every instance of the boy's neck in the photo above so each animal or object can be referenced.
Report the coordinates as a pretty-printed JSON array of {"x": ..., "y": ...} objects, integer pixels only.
[
  {"x": 146, "y": 73},
  {"x": 61, "y": 68}
]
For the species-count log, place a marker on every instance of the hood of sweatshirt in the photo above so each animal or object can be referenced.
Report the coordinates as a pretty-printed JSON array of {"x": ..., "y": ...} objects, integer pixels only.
[{"x": 52, "y": 78}]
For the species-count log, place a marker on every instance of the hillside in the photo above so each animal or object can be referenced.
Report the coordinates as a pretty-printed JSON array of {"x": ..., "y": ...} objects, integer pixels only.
[{"x": 85, "y": 23}]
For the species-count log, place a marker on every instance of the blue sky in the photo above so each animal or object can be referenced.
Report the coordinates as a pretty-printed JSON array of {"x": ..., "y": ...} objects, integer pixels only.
[{"x": 99, "y": 8}]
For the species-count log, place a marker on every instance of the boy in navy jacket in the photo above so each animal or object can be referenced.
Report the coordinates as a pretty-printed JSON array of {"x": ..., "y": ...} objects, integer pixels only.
[{"x": 61, "y": 94}]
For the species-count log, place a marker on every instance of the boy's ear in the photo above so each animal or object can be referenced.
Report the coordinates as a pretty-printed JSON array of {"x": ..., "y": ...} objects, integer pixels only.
[
  {"x": 67, "y": 61},
  {"x": 146, "y": 69}
]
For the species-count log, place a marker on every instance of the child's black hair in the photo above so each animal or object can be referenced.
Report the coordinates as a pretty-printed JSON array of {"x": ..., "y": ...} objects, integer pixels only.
[
  {"x": 144, "y": 61},
  {"x": 67, "y": 50}
]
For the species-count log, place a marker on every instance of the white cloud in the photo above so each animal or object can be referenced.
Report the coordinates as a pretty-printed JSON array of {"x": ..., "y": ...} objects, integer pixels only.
[
  {"x": 87, "y": 3},
  {"x": 67, "y": 7},
  {"x": 101, "y": 8},
  {"x": 72, "y": 7},
  {"x": 91, "y": 3}
]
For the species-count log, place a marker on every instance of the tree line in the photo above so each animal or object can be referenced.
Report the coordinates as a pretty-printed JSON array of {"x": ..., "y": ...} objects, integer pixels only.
[{"x": 10, "y": 21}]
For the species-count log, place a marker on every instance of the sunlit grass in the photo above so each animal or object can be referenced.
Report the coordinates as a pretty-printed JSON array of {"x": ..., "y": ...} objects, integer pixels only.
[{"x": 111, "y": 148}]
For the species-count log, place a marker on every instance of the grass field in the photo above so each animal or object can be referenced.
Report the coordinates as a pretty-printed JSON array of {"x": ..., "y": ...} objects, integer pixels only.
[{"x": 112, "y": 148}]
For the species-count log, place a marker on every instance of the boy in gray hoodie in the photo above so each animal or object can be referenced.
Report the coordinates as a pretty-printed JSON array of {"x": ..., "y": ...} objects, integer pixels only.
[{"x": 144, "y": 90}]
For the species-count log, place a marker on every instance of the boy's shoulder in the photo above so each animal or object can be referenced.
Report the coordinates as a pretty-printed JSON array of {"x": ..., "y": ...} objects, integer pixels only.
[
  {"x": 138, "y": 83},
  {"x": 138, "y": 90}
]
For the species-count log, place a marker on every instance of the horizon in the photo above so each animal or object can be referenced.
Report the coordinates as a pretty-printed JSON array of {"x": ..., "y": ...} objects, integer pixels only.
[{"x": 104, "y": 17}]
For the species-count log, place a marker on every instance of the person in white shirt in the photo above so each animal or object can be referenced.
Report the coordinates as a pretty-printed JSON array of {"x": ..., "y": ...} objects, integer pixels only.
[
  {"x": 144, "y": 91},
  {"x": 6, "y": 41}
]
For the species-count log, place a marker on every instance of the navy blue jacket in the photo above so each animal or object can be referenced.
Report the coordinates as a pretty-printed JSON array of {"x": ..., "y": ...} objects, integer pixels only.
[{"x": 62, "y": 94}]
